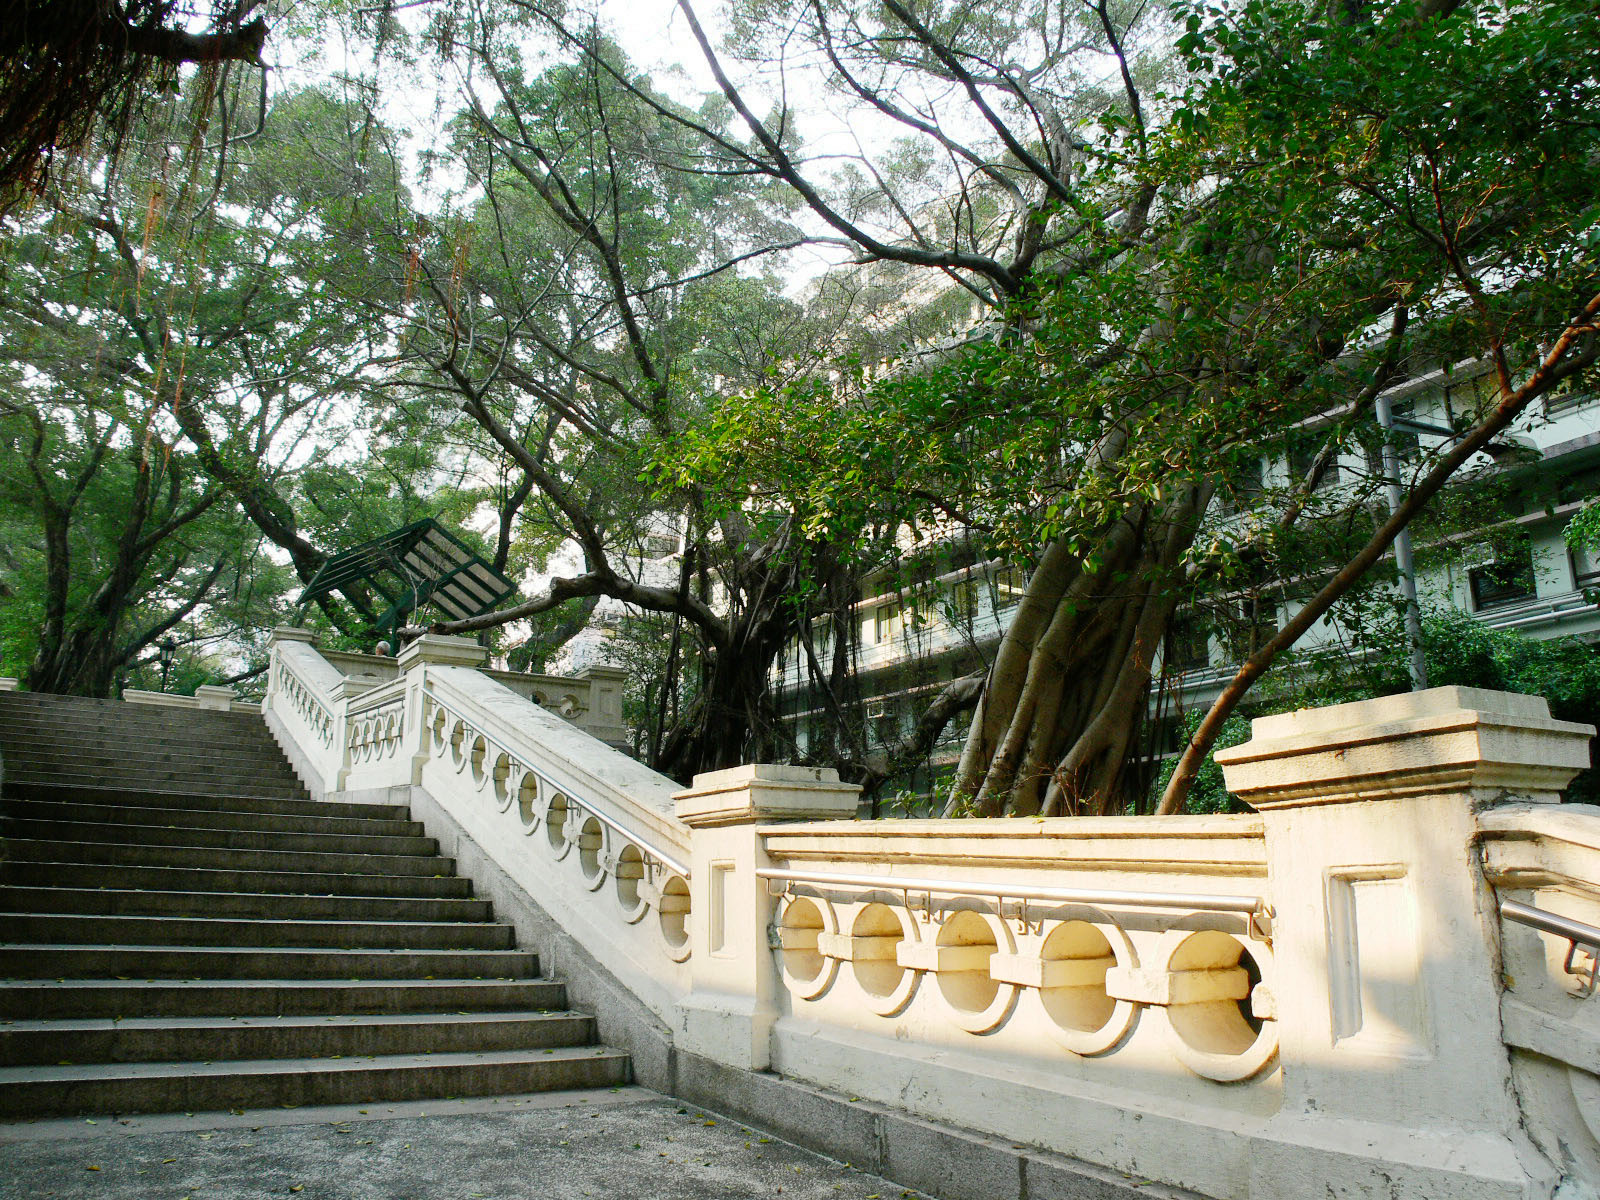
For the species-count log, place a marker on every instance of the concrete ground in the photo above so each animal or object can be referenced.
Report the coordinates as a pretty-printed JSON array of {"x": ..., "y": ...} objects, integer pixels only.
[{"x": 625, "y": 1144}]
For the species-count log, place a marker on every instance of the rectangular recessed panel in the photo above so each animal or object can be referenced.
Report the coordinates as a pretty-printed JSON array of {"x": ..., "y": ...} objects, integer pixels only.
[{"x": 1374, "y": 963}]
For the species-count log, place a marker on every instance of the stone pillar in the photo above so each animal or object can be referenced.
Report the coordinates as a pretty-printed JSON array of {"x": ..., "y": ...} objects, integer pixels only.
[
  {"x": 439, "y": 651},
  {"x": 604, "y": 718},
  {"x": 8, "y": 684},
  {"x": 1386, "y": 940},
  {"x": 729, "y": 1012},
  {"x": 443, "y": 651},
  {"x": 215, "y": 697},
  {"x": 280, "y": 635}
]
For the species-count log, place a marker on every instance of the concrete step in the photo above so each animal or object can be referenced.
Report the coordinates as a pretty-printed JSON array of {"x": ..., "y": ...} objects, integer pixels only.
[
  {"x": 62, "y": 999},
  {"x": 291, "y": 1082},
  {"x": 23, "y": 743},
  {"x": 24, "y": 778},
  {"x": 265, "y": 906},
  {"x": 244, "y": 836},
  {"x": 174, "y": 729},
  {"x": 28, "y": 741},
  {"x": 219, "y": 858},
  {"x": 21, "y": 705},
  {"x": 198, "y": 818},
  {"x": 228, "y": 879},
  {"x": 23, "y": 960},
  {"x": 95, "y": 929},
  {"x": 203, "y": 801},
  {"x": 173, "y": 1039},
  {"x": 232, "y": 775}
]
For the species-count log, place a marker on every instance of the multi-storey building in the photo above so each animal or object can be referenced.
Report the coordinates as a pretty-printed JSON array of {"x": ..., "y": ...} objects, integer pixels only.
[{"x": 924, "y": 623}]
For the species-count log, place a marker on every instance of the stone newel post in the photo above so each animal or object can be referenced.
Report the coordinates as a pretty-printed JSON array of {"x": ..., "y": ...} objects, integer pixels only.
[
  {"x": 729, "y": 1012},
  {"x": 419, "y": 652},
  {"x": 1386, "y": 938}
]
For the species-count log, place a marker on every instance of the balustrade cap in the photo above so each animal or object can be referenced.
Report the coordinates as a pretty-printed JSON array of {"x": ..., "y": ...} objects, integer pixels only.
[
  {"x": 444, "y": 651},
  {"x": 212, "y": 695},
  {"x": 290, "y": 633},
  {"x": 764, "y": 792},
  {"x": 1449, "y": 739}
]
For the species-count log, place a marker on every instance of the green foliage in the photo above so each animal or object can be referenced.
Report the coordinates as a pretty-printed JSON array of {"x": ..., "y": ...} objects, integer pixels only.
[
  {"x": 1209, "y": 795},
  {"x": 1583, "y": 531},
  {"x": 1460, "y": 650}
]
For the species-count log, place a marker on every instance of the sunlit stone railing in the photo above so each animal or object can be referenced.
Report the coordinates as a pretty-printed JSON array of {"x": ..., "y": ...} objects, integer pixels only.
[
  {"x": 582, "y": 829},
  {"x": 1318, "y": 998},
  {"x": 591, "y": 700},
  {"x": 1547, "y": 859}
]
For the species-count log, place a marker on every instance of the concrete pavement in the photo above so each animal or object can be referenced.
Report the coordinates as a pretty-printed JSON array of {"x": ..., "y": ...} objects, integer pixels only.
[{"x": 625, "y": 1144}]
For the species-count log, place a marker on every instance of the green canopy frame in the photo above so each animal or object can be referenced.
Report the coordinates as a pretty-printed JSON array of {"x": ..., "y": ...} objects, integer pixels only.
[{"x": 423, "y": 563}]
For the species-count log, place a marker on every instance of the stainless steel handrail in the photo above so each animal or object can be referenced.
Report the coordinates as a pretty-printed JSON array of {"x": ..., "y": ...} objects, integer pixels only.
[
  {"x": 1549, "y": 922},
  {"x": 1250, "y": 906},
  {"x": 644, "y": 845},
  {"x": 1577, "y": 933}
]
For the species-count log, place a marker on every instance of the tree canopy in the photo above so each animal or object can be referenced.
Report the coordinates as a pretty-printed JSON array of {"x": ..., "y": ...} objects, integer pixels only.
[{"x": 1045, "y": 283}]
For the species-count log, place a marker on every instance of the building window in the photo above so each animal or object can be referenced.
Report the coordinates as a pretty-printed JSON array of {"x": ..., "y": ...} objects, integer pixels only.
[
  {"x": 1187, "y": 646},
  {"x": 1303, "y": 451},
  {"x": 964, "y": 600},
  {"x": 1496, "y": 585},
  {"x": 1009, "y": 586},
  {"x": 1585, "y": 566},
  {"x": 1241, "y": 495},
  {"x": 883, "y": 623},
  {"x": 1555, "y": 406},
  {"x": 1251, "y": 625}
]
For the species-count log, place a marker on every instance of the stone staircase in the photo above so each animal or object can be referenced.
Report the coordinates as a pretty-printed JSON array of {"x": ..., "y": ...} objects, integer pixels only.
[{"x": 182, "y": 928}]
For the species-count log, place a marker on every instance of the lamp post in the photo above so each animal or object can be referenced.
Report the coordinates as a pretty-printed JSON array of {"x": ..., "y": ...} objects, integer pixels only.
[{"x": 168, "y": 649}]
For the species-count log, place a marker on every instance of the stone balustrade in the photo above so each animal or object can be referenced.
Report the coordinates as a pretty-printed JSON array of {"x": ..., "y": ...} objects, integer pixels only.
[
  {"x": 591, "y": 700},
  {"x": 1377, "y": 984},
  {"x": 209, "y": 697}
]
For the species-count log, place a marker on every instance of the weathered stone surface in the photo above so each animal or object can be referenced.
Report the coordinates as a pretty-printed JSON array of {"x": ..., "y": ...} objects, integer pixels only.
[{"x": 625, "y": 1145}]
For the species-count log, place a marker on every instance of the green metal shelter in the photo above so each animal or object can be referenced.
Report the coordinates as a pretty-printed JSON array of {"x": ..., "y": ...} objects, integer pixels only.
[{"x": 423, "y": 563}]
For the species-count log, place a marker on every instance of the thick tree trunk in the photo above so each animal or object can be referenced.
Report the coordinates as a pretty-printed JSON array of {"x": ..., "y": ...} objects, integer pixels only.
[{"x": 1054, "y": 730}]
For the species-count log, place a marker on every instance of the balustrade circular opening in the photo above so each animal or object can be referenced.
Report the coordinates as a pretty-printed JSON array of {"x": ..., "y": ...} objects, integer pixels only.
[
  {"x": 478, "y": 755},
  {"x": 1076, "y": 958},
  {"x": 968, "y": 942},
  {"x": 1218, "y": 1036},
  {"x": 555, "y": 824},
  {"x": 629, "y": 872},
  {"x": 502, "y": 780},
  {"x": 528, "y": 801},
  {"x": 673, "y": 908},
  {"x": 877, "y": 933},
  {"x": 591, "y": 839},
  {"x": 802, "y": 922}
]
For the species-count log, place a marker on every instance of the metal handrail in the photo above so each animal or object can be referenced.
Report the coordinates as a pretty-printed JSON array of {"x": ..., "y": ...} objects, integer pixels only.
[
  {"x": 1250, "y": 906},
  {"x": 1549, "y": 922},
  {"x": 577, "y": 794},
  {"x": 1577, "y": 933}
]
